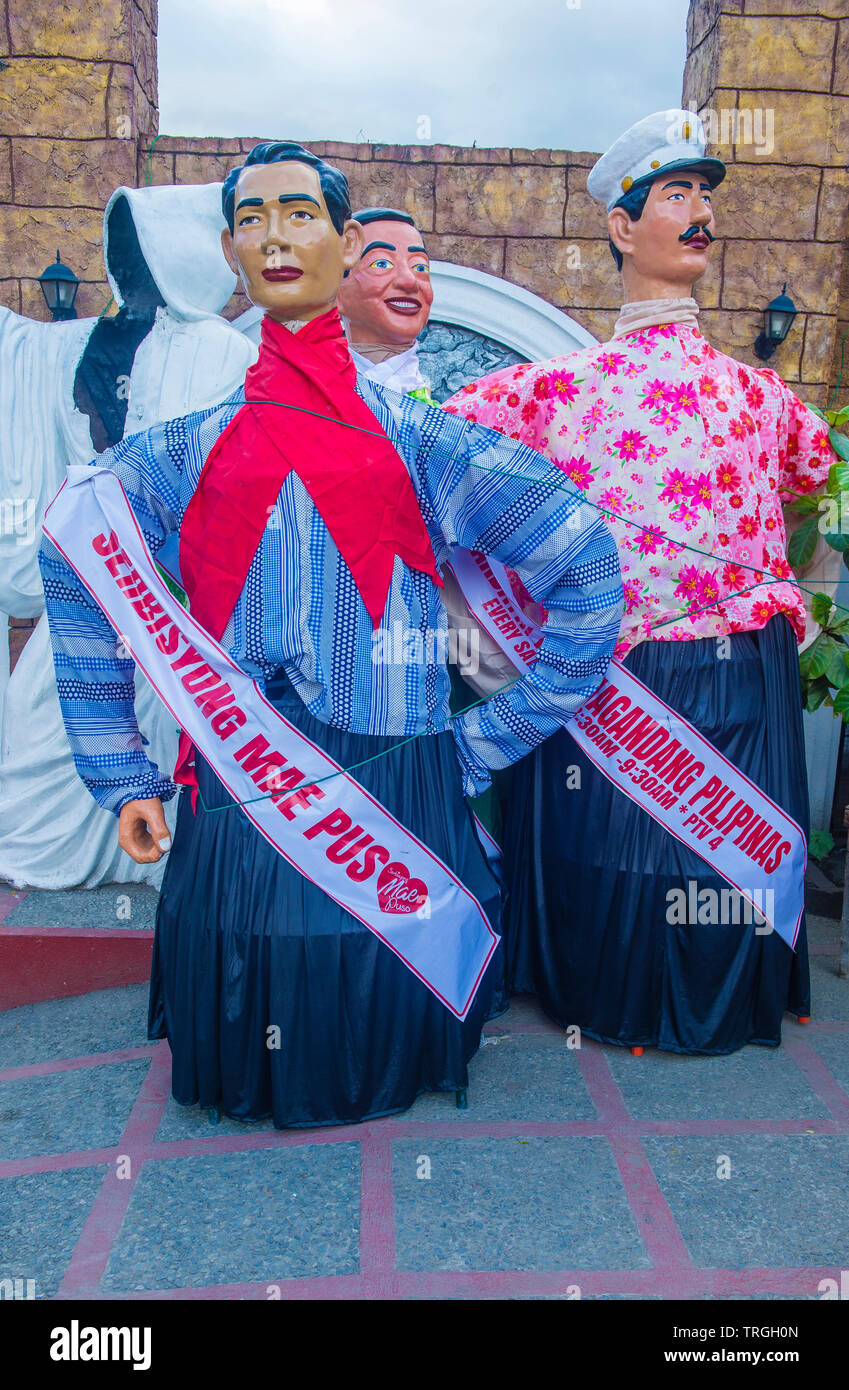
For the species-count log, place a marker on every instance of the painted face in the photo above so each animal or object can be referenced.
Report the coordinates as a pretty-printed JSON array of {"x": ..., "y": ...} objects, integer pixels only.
[
  {"x": 284, "y": 246},
  {"x": 387, "y": 296},
  {"x": 678, "y": 202}
]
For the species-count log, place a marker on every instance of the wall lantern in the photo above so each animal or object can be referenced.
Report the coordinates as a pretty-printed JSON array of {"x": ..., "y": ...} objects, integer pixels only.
[
  {"x": 778, "y": 317},
  {"x": 59, "y": 286}
]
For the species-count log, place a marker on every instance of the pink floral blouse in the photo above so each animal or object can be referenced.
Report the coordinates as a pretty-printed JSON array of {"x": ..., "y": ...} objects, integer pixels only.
[{"x": 689, "y": 453}]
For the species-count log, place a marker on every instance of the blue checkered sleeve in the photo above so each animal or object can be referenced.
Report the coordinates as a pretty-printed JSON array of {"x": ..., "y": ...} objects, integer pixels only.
[
  {"x": 94, "y": 674},
  {"x": 483, "y": 491}
]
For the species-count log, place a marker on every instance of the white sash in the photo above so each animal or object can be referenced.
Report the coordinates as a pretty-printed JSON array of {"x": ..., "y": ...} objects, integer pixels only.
[
  {"x": 665, "y": 765},
  {"x": 333, "y": 832}
]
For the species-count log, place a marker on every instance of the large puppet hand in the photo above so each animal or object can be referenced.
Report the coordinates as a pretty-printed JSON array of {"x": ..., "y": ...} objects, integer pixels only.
[{"x": 142, "y": 831}]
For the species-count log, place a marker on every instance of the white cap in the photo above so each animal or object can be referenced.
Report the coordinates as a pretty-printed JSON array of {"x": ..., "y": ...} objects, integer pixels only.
[{"x": 667, "y": 140}]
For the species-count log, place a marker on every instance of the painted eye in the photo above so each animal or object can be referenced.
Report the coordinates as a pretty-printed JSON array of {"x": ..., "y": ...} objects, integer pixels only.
[
  {"x": 422, "y": 268},
  {"x": 672, "y": 197},
  {"x": 382, "y": 263},
  {"x": 302, "y": 212},
  {"x": 247, "y": 219}
]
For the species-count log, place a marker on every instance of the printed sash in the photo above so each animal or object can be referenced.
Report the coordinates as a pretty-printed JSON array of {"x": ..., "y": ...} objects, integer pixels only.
[
  {"x": 663, "y": 763},
  {"x": 332, "y": 831}
]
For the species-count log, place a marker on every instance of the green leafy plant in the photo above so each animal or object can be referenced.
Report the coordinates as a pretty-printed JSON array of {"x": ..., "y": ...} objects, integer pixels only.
[
  {"x": 820, "y": 843},
  {"x": 824, "y": 665}
]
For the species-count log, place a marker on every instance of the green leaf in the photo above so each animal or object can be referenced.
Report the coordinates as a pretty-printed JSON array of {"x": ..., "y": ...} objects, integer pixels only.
[
  {"x": 840, "y": 623},
  {"x": 820, "y": 843},
  {"x": 838, "y": 476},
  {"x": 823, "y": 414},
  {"x": 837, "y": 672},
  {"x": 805, "y": 504},
  {"x": 837, "y": 418},
  {"x": 841, "y": 704},
  {"x": 836, "y": 540},
  {"x": 821, "y": 609},
  {"x": 816, "y": 692},
  {"x": 803, "y": 542},
  {"x": 839, "y": 443},
  {"x": 816, "y": 660}
]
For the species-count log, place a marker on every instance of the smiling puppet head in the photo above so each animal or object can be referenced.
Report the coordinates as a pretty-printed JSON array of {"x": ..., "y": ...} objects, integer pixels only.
[
  {"x": 386, "y": 297},
  {"x": 290, "y": 236}
]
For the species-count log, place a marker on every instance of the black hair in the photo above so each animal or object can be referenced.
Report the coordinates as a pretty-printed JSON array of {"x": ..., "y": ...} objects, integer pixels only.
[
  {"x": 366, "y": 215},
  {"x": 334, "y": 185},
  {"x": 633, "y": 202}
]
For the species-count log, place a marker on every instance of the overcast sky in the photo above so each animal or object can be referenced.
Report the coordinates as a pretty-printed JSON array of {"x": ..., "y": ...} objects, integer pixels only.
[{"x": 567, "y": 74}]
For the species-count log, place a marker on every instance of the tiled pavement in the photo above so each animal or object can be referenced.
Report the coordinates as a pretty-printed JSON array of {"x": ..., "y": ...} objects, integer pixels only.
[{"x": 572, "y": 1169}]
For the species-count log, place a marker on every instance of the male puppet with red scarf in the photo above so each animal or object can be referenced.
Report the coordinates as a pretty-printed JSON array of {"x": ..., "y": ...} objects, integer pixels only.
[{"x": 328, "y": 963}]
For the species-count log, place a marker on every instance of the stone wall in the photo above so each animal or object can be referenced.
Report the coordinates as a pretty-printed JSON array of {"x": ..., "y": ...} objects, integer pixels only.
[
  {"x": 782, "y": 211},
  {"x": 77, "y": 93}
]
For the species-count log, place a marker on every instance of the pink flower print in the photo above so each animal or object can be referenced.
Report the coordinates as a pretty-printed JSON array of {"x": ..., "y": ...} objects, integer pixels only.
[
  {"x": 649, "y": 540},
  {"x": 747, "y": 420},
  {"x": 700, "y": 491},
  {"x": 689, "y": 583},
  {"x": 747, "y": 526},
  {"x": 727, "y": 477},
  {"x": 529, "y": 411},
  {"x": 610, "y": 362},
  {"x": 629, "y": 444},
  {"x": 562, "y": 386},
  {"x": 593, "y": 417},
  {"x": 675, "y": 485},
  {"x": 612, "y": 500},
  {"x": 737, "y": 429},
  {"x": 754, "y": 396},
  {"x": 578, "y": 471},
  {"x": 668, "y": 420},
  {"x": 654, "y": 395},
  {"x": 684, "y": 398},
  {"x": 494, "y": 391},
  {"x": 631, "y": 591},
  {"x": 708, "y": 590}
]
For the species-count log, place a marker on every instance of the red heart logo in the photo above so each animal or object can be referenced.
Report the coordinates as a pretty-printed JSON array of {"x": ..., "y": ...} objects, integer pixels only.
[{"x": 397, "y": 892}]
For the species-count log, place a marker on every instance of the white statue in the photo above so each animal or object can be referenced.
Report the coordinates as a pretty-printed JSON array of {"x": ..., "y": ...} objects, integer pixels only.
[{"x": 168, "y": 275}]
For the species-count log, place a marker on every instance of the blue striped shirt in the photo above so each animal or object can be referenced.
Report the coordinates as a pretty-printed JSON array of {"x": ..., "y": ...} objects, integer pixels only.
[{"x": 300, "y": 609}]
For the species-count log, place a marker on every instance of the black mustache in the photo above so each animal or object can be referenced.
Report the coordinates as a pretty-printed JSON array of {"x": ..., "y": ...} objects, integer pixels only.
[{"x": 696, "y": 231}]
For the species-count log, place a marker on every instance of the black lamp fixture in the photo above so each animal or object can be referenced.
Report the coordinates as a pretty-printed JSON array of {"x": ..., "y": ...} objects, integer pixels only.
[
  {"x": 778, "y": 317},
  {"x": 59, "y": 286}
]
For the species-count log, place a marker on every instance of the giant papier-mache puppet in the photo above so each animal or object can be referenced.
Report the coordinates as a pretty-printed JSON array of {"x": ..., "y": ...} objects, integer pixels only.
[
  {"x": 313, "y": 963},
  {"x": 688, "y": 454}
]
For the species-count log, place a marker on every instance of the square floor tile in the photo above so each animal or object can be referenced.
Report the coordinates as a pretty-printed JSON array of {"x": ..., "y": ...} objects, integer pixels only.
[
  {"x": 756, "y": 1083},
  {"x": 69, "y": 1110},
  {"x": 41, "y": 1219},
  {"x": 833, "y": 1048},
  {"x": 511, "y": 1204},
  {"x": 515, "y": 1077},
  {"x": 193, "y": 1122},
  {"x": 829, "y": 994},
  {"x": 103, "y": 1021},
  {"x": 783, "y": 1204},
  {"x": 235, "y": 1218}
]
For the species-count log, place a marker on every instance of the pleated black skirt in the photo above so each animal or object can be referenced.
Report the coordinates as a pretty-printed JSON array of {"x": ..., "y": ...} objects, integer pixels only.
[
  {"x": 277, "y": 1002},
  {"x": 588, "y": 872}
]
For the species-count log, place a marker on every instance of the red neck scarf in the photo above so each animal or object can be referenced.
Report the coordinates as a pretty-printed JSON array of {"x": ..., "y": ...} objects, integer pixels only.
[{"x": 357, "y": 481}]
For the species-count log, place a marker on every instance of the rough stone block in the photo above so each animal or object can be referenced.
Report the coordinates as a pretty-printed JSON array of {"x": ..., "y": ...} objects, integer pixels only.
[
  {"x": 60, "y": 28},
  {"x": 735, "y": 334},
  {"x": 790, "y": 54},
  {"x": 5, "y": 170},
  {"x": 4, "y": 27},
  {"x": 522, "y": 201},
  {"x": 522, "y": 156},
  {"x": 831, "y": 9},
  {"x": 203, "y": 168},
  {"x": 476, "y": 252},
  {"x": 52, "y": 96},
  {"x": 599, "y": 322},
  {"x": 818, "y": 348},
  {"x": 841, "y": 59},
  {"x": 765, "y": 201},
  {"x": 701, "y": 71},
  {"x": 406, "y": 186},
  {"x": 584, "y": 216},
  {"x": 81, "y": 173},
  {"x": 30, "y": 238},
  {"x": 703, "y": 14},
  {"x": 707, "y": 290},
  {"x": 157, "y": 167},
  {"x": 833, "y": 205},
  {"x": 578, "y": 274},
  {"x": 755, "y": 271},
  {"x": 10, "y": 295},
  {"x": 810, "y": 128}
]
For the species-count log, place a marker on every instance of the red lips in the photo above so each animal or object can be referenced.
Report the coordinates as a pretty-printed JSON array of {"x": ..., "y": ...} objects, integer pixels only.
[{"x": 282, "y": 272}]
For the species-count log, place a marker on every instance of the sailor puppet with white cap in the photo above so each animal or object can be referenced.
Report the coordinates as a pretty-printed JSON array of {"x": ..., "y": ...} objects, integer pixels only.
[{"x": 687, "y": 452}]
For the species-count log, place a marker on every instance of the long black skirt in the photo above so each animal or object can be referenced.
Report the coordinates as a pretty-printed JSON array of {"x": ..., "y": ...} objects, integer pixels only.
[
  {"x": 245, "y": 943},
  {"x": 588, "y": 872}
]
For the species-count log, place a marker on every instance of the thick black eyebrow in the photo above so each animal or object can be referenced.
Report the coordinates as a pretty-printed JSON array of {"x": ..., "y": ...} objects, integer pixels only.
[
  {"x": 298, "y": 198},
  {"x": 684, "y": 183},
  {"x": 379, "y": 245},
  {"x": 417, "y": 248},
  {"x": 249, "y": 203}
]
